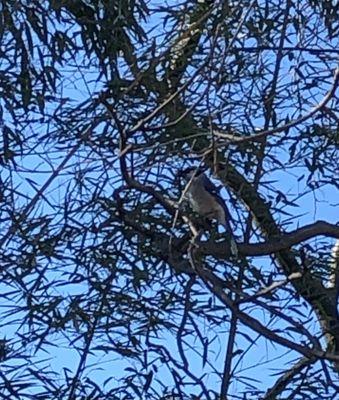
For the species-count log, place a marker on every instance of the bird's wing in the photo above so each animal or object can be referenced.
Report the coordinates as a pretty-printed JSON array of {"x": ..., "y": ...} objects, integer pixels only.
[
  {"x": 214, "y": 190},
  {"x": 209, "y": 185}
]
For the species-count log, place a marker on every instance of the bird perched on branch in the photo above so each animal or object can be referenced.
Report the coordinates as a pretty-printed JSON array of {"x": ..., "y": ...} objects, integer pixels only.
[{"x": 204, "y": 198}]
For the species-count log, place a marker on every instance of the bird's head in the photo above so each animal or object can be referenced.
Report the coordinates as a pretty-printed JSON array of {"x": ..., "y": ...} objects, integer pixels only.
[{"x": 190, "y": 172}]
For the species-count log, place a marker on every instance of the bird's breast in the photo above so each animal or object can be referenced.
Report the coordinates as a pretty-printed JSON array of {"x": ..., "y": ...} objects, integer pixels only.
[{"x": 200, "y": 200}]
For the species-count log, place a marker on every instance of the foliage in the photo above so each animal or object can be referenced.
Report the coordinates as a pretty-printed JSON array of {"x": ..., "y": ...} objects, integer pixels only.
[{"x": 107, "y": 290}]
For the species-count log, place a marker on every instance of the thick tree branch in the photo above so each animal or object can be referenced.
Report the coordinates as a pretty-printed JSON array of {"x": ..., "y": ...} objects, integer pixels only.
[
  {"x": 310, "y": 287},
  {"x": 275, "y": 243},
  {"x": 334, "y": 276}
]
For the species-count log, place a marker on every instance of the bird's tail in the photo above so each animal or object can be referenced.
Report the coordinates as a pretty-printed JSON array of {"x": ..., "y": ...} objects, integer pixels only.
[
  {"x": 233, "y": 244},
  {"x": 234, "y": 247}
]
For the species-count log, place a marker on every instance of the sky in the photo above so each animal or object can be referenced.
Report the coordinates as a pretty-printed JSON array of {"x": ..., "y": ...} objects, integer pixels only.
[{"x": 64, "y": 356}]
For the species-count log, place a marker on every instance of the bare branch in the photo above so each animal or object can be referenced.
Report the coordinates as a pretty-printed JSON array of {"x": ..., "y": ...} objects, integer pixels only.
[
  {"x": 287, "y": 377},
  {"x": 334, "y": 277},
  {"x": 275, "y": 285},
  {"x": 275, "y": 243},
  {"x": 262, "y": 135},
  {"x": 213, "y": 284}
]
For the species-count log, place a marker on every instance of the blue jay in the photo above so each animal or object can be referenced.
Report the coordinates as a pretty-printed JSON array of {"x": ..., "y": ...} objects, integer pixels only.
[{"x": 204, "y": 198}]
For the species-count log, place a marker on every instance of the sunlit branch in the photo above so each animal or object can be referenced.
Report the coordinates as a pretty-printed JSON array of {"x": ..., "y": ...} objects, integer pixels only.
[{"x": 262, "y": 135}]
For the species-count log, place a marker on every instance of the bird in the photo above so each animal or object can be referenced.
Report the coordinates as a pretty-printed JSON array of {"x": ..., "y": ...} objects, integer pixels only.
[{"x": 204, "y": 198}]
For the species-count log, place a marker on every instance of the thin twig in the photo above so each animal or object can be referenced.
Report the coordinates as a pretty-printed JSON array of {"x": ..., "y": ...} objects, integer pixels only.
[
  {"x": 262, "y": 135},
  {"x": 287, "y": 377},
  {"x": 275, "y": 285},
  {"x": 30, "y": 206}
]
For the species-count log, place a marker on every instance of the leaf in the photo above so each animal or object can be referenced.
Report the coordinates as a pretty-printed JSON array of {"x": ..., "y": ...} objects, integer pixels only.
[{"x": 148, "y": 381}]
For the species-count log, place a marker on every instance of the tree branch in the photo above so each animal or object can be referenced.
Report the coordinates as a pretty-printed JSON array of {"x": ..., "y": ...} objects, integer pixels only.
[
  {"x": 311, "y": 50},
  {"x": 286, "y": 378},
  {"x": 262, "y": 135},
  {"x": 275, "y": 243},
  {"x": 323, "y": 300},
  {"x": 213, "y": 283}
]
